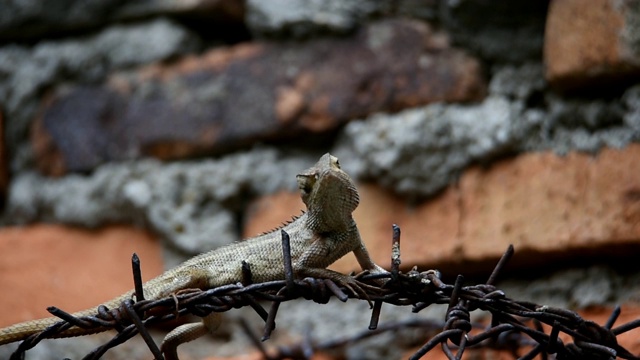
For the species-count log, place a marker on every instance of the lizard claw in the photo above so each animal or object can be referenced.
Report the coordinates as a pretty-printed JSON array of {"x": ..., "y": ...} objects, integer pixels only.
[
  {"x": 357, "y": 288},
  {"x": 380, "y": 282}
]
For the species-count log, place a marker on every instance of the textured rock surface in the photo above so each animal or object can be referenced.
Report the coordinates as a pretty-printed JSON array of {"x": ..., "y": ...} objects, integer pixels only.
[
  {"x": 577, "y": 288},
  {"x": 631, "y": 102},
  {"x": 26, "y": 73},
  {"x": 229, "y": 98},
  {"x": 519, "y": 82},
  {"x": 300, "y": 19},
  {"x": 420, "y": 151},
  {"x": 599, "y": 46}
]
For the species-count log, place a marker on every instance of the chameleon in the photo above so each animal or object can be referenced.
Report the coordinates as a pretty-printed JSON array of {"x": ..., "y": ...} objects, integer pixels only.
[{"x": 325, "y": 232}]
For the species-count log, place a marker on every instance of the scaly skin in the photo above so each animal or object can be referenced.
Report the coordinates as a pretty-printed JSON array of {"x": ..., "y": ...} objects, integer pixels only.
[{"x": 322, "y": 235}]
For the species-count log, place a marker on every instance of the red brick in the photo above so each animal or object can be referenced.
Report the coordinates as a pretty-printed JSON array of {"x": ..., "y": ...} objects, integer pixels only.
[
  {"x": 422, "y": 226},
  {"x": 588, "y": 46},
  {"x": 544, "y": 203},
  {"x": 271, "y": 211},
  {"x": 71, "y": 268}
]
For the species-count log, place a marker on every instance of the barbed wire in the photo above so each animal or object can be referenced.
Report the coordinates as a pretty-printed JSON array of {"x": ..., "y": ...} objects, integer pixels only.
[{"x": 514, "y": 325}]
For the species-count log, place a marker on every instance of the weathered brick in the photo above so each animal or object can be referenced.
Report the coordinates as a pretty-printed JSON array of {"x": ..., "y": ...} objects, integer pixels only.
[
  {"x": 271, "y": 211},
  {"x": 71, "y": 268},
  {"x": 547, "y": 204},
  {"x": 231, "y": 97},
  {"x": 591, "y": 46}
]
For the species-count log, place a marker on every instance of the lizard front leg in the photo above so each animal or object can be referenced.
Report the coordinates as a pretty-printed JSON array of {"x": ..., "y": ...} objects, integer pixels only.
[{"x": 365, "y": 261}]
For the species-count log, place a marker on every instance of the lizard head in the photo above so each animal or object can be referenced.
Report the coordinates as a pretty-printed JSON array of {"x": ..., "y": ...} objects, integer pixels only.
[{"x": 329, "y": 193}]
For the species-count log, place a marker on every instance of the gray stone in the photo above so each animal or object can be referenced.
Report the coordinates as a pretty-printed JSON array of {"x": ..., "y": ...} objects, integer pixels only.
[
  {"x": 193, "y": 205},
  {"x": 499, "y": 31},
  {"x": 26, "y": 73},
  {"x": 418, "y": 152},
  {"x": 575, "y": 288},
  {"x": 300, "y": 19},
  {"x": 580, "y": 125},
  {"x": 629, "y": 290},
  {"x": 351, "y": 318},
  {"x": 631, "y": 100},
  {"x": 595, "y": 286},
  {"x": 127, "y": 46},
  {"x": 630, "y": 34},
  {"x": 518, "y": 82}
]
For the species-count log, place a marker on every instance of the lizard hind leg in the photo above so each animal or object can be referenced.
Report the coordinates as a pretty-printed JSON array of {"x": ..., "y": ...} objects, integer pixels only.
[{"x": 189, "y": 332}]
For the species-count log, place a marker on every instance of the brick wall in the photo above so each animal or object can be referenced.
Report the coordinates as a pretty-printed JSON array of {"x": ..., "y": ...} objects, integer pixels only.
[{"x": 169, "y": 128}]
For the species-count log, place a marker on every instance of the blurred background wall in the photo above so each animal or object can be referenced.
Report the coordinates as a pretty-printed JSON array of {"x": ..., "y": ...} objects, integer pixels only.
[{"x": 171, "y": 127}]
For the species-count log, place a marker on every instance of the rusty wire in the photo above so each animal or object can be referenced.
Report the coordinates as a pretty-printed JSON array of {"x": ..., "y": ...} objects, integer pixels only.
[{"x": 514, "y": 324}]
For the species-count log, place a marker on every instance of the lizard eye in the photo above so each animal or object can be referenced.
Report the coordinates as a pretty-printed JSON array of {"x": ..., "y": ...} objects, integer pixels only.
[{"x": 335, "y": 162}]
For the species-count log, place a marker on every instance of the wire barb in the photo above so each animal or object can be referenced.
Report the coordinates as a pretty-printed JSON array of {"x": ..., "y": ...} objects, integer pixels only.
[
  {"x": 395, "y": 252},
  {"x": 137, "y": 277},
  {"x": 128, "y": 305}
]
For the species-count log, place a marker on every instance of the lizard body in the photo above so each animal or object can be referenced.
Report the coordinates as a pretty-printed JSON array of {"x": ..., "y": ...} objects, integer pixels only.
[{"x": 320, "y": 236}]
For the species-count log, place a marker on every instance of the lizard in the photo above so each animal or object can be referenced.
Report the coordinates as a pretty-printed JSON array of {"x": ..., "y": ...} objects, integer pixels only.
[{"x": 325, "y": 232}]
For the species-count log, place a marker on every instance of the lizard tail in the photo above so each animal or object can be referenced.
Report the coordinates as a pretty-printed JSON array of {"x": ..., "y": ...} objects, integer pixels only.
[{"x": 21, "y": 331}]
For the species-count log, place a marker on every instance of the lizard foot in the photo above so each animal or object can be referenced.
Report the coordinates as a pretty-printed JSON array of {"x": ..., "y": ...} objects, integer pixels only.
[
  {"x": 351, "y": 283},
  {"x": 356, "y": 287}
]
